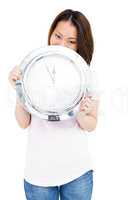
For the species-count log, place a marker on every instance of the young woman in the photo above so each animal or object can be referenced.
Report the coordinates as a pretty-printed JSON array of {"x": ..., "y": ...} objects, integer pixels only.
[{"x": 58, "y": 161}]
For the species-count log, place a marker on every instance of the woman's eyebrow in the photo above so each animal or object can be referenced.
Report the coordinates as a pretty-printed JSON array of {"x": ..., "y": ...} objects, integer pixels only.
[
  {"x": 72, "y": 38},
  {"x": 59, "y": 33},
  {"x": 68, "y": 37}
]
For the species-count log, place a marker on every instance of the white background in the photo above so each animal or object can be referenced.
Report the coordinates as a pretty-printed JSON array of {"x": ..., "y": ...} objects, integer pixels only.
[{"x": 24, "y": 26}]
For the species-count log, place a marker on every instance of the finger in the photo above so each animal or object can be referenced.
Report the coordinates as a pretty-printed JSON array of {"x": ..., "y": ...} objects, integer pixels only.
[
  {"x": 13, "y": 82},
  {"x": 17, "y": 75},
  {"x": 84, "y": 101},
  {"x": 87, "y": 99},
  {"x": 84, "y": 106},
  {"x": 12, "y": 73},
  {"x": 19, "y": 71},
  {"x": 87, "y": 104},
  {"x": 14, "y": 78},
  {"x": 85, "y": 109},
  {"x": 16, "y": 70}
]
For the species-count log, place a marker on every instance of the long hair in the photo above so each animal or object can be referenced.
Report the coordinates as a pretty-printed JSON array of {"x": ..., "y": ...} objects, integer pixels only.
[{"x": 85, "y": 44}]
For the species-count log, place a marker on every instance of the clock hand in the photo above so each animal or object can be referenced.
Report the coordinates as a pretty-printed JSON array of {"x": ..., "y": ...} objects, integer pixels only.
[
  {"x": 49, "y": 73},
  {"x": 54, "y": 72}
]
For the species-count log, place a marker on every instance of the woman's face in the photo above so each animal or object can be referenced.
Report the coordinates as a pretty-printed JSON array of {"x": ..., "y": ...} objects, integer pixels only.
[{"x": 65, "y": 34}]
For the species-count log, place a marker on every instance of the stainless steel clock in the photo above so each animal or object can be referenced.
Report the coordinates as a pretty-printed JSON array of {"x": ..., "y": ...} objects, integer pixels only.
[{"x": 54, "y": 80}]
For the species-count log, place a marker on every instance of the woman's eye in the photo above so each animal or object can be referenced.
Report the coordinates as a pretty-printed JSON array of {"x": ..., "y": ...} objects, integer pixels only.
[
  {"x": 57, "y": 36},
  {"x": 72, "y": 42}
]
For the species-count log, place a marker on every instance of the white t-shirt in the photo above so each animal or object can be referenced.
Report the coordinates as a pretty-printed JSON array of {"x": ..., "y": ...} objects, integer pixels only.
[{"x": 57, "y": 152}]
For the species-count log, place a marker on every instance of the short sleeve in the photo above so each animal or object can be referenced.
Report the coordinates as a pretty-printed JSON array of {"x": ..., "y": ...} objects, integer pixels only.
[{"x": 92, "y": 84}]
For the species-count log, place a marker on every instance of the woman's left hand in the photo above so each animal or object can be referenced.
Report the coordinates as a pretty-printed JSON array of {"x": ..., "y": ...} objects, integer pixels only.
[
  {"x": 87, "y": 115},
  {"x": 87, "y": 105}
]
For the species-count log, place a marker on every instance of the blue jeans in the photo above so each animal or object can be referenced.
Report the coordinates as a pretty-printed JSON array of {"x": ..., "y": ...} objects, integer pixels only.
[{"x": 78, "y": 189}]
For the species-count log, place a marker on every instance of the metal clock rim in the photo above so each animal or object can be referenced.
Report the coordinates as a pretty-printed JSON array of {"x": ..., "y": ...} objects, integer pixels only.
[{"x": 49, "y": 50}]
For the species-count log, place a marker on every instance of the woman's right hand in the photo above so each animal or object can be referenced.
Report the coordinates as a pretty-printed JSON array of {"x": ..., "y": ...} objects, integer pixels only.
[{"x": 14, "y": 75}]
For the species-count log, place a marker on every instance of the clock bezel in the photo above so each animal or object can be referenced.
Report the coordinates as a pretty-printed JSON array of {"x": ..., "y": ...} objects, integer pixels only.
[{"x": 46, "y": 51}]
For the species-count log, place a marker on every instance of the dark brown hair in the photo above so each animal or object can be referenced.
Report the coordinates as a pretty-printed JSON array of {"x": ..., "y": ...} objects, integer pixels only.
[{"x": 85, "y": 42}]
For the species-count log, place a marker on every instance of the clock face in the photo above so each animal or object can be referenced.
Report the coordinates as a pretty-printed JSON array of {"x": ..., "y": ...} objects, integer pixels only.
[
  {"x": 52, "y": 83},
  {"x": 53, "y": 80}
]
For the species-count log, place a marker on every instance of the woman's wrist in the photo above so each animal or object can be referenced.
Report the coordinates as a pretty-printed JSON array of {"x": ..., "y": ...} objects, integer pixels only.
[{"x": 19, "y": 104}]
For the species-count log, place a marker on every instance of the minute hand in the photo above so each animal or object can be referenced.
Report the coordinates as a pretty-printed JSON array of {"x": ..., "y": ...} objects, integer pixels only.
[
  {"x": 54, "y": 72},
  {"x": 49, "y": 73}
]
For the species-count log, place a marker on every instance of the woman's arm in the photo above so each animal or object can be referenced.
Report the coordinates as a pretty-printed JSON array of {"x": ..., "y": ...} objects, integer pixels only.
[
  {"x": 87, "y": 115},
  {"x": 22, "y": 116}
]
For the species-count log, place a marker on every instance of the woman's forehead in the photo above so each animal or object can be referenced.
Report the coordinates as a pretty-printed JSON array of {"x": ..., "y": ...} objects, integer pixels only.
[{"x": 66, "y": 29}]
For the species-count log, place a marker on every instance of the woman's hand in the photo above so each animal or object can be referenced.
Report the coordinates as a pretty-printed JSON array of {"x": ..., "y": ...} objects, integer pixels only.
[
  {"x": 87, "y": 105},
  {"x": 14, "y": 75},
  {"x": 22, "y": 116},
  {"x": 87, "y": 115}
]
